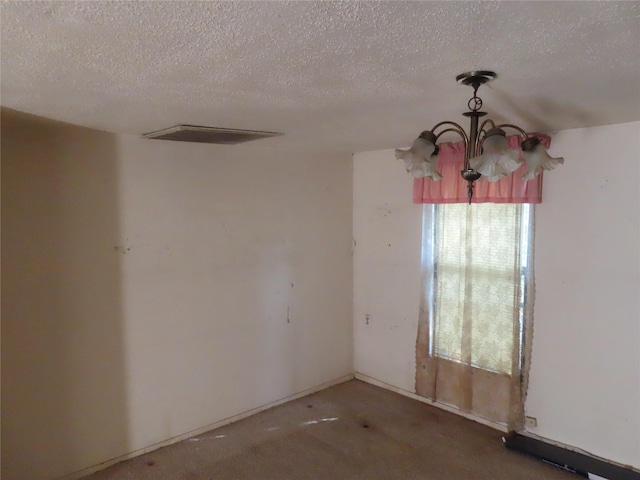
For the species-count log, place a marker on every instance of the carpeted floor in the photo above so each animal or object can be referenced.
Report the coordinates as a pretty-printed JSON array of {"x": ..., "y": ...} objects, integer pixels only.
[{"x": 350, "y": 431}]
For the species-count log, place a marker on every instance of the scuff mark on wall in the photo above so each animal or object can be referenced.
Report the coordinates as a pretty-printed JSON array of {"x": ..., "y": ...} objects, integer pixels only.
[{"x": 122, "y": 249}]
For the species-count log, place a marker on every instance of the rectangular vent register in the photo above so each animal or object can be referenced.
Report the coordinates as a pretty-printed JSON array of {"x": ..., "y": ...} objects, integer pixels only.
[{"x": 220, "y": 136}]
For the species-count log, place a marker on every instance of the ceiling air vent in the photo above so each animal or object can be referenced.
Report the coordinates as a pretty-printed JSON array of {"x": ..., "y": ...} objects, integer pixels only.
[{"x": 221, "y": 136}]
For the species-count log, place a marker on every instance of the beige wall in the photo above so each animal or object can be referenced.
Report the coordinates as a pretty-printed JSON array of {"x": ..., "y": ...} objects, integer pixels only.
[
  {"x": 585, "y": 373},
  {"x": 63, "y": 378},
  {"x": 151, "y": 288}
]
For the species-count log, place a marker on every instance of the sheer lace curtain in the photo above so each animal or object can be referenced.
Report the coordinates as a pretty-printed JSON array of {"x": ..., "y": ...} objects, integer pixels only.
[{"x": 476, "y": 316}]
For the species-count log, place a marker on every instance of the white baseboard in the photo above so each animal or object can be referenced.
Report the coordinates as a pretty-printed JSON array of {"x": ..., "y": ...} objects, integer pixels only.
[
  {"x": 365, "y": 378},
  {"x": 201, "y": 430}
]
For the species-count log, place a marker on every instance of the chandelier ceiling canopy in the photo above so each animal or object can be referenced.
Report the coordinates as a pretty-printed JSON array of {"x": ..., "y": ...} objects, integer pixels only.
[{"x": 487, "y": 153}]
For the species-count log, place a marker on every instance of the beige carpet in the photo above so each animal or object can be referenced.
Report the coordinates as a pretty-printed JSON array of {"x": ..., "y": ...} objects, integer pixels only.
[{"x": 350, "y": 431}]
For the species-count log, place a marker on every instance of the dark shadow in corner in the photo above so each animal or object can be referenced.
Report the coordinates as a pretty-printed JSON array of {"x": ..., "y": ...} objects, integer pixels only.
[
  {"x": 63, "y": 368},
  {"x": 545, "y": 110}
]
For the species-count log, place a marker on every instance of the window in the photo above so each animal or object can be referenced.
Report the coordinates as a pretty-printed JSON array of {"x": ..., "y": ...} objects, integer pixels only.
[{"x": 478, "y": 260}]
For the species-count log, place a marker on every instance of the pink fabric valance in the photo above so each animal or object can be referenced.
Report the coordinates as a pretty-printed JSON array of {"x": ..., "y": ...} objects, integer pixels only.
[{"x": 452, "y": 188}]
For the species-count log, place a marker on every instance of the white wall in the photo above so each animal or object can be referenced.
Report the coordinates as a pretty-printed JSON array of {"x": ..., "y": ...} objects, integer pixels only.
[
  {"x": 585, "y": 375},
  {"x": 151, "y": 288},
  {"x": 387, "y": 229}
]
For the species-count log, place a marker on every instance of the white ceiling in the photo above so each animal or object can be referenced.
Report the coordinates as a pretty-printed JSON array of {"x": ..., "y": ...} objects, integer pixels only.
[{"x": 333, "y": 76}]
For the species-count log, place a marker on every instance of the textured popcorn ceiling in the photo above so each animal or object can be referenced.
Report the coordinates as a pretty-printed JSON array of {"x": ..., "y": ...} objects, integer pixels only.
[{"x": 334, "y": 76}]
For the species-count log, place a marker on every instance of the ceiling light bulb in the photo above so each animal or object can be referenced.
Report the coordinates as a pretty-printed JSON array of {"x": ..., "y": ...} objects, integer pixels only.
[
  {"x": 497, "y": 160},
  {"x": 537, "y": 158},
  {"x": 421, "y": 159}
]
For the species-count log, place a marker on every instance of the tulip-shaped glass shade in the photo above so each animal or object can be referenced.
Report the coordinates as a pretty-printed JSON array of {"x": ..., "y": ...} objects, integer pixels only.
[
  {"x": 497, "y": 160},
  {"x": 421, "y": 159},
  {"x": 537, "y": 158}
]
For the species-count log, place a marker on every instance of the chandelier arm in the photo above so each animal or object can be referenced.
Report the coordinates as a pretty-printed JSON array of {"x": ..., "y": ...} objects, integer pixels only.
[
  {"x": 515, "y": 127},
  {"x": 456, "y": 128},
  {"x": 488, "y": 120},
  {"x": 482, "y": 129},
  {"x": 461, "y": 133}
]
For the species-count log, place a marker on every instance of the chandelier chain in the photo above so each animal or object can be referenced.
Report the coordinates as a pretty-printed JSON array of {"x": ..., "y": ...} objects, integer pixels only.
[{"x": 475, "y": 102}]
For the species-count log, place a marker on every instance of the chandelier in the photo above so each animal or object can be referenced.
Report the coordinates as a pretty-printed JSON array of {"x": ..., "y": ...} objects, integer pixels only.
[{"x": 486, "y": 152}]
